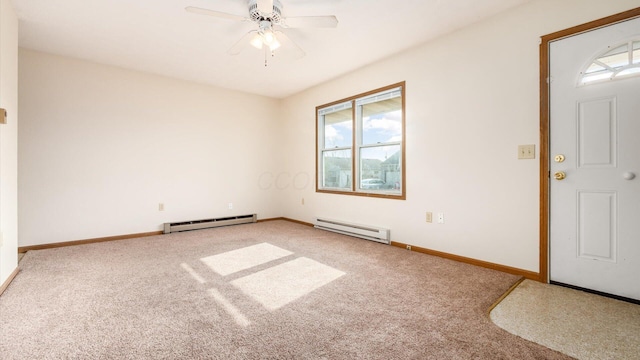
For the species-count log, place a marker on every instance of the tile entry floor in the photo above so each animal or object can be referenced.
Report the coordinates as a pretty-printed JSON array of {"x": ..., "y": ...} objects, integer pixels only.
[{"x": 576, "y": 323}]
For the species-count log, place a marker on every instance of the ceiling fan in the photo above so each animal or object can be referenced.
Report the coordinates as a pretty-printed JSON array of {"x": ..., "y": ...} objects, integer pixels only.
[{"x": 267, "y": 15}]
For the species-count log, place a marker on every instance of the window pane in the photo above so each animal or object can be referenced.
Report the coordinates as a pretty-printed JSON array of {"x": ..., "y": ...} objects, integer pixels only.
[
  {"x": 338, "y": 125},
  {"x": 380, "y": 168},
  {"x": 622, "y": 49},
  {"x": 629, "y": 71},
  {"x": 337, "y": 169},
  {"x": 338, "y": 134},
  {"x": 596, "y": 77},
  {"x": 381, "y": 117},
  {"x": 381, "y": 127},
  {"x": 594, "y": 68},
  {"x": 616, "y": 58}
]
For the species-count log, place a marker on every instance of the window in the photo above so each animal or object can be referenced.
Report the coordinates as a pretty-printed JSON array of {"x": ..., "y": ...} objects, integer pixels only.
[
  {"x": 614, "y": 63},
  {"x": 360, "y": 144}
]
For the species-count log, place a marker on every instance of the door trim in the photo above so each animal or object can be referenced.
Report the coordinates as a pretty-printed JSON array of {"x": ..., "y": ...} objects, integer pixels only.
[{"x": 544, "y": 123}]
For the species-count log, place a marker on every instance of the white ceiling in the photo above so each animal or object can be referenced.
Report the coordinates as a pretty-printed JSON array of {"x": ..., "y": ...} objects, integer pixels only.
[{"x": 159, "y": 36}]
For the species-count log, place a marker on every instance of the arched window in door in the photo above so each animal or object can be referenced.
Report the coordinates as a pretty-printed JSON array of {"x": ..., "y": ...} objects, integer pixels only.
[{"x": 616, "y": 62}]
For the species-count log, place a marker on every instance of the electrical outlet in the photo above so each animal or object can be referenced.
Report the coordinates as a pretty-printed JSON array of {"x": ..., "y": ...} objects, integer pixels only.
[
  {"x": 160, "y": 207},
  {"x": 440, "y": 218},
  {"x": 230, "y": 206},
  {"x": 409, "y": 247},
  {"x": 429, "y": 216}
]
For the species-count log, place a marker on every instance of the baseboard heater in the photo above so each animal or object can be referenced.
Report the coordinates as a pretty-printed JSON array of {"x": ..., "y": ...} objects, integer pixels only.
[
  {"x": 208, "y": 223},
  {"x": 362, "y": 231}
]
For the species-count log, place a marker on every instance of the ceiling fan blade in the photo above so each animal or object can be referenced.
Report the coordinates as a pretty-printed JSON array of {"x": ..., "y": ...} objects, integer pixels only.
[
  {"x": 242, "y": 43},
  {"x": 287, "y": 43},
  {"x": 265, "y": 6},
  {"x": 311, "y": 22},
  {"x": 218, "y": 14}
]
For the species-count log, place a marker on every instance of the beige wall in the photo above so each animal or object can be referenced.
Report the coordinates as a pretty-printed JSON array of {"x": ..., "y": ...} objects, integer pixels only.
[
  {"x": 101, "y": 147},
  {"x": 8, "y": 140},
  {"x": 472, "y": 98}
]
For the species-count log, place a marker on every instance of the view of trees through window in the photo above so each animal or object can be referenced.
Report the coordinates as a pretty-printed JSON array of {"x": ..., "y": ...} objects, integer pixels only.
[{"x": 361, "y": 138}]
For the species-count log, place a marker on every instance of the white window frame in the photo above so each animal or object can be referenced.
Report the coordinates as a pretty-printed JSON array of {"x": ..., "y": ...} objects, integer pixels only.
[
  {"x": 398, "y": 189},
  {"x": 609, "y": 73}
]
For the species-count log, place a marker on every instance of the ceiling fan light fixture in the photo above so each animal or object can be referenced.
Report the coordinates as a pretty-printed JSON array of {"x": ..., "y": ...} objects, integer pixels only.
[
  {"x": 267, "y": 14},
  {"x": 256, "y": 42},
  {"x": 269, "y": 39},
  {"x": 274, "y": 44},
  {"x": 268, "y": 36},
  {"x": 265, "y": 37}
]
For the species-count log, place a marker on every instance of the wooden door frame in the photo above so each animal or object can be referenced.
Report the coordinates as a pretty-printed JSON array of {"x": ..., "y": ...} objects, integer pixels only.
[{"x": 544, "y": 123}]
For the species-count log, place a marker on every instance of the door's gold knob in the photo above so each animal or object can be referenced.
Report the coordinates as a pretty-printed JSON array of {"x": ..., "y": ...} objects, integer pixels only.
[{"x": 560, "y": 175}]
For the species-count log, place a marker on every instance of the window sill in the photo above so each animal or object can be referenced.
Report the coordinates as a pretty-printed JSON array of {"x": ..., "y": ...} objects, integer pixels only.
[{"x": 380, "y": 195}]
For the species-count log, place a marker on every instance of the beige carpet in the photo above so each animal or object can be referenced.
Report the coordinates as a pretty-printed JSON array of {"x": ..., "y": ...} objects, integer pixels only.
[
  {"x": 273, "y": 290},
  {"x": 576, "y": 323}
]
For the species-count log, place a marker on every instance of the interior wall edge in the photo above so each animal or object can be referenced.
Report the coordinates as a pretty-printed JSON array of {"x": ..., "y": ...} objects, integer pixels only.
[{"x": 7, "y": 282}]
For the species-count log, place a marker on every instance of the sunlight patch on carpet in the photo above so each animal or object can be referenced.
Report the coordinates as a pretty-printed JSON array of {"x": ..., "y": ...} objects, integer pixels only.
[
  {"x": 241, "y": 259},
  {"x": 277, "y": 286},
  {"x": 238, "y": 317}
]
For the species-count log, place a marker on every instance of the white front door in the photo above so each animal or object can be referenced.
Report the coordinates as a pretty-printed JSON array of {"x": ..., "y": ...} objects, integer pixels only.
[{"x": 595, "y": 144}]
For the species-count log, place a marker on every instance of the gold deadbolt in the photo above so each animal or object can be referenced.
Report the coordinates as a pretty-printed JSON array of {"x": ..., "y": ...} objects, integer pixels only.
[
  {"x": 560, "y": 175},
  {"x": 559, "y": 158}
]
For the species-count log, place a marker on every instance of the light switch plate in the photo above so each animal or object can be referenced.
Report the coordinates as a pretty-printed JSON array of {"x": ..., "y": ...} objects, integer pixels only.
[{"x": 526, "y": 151}]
